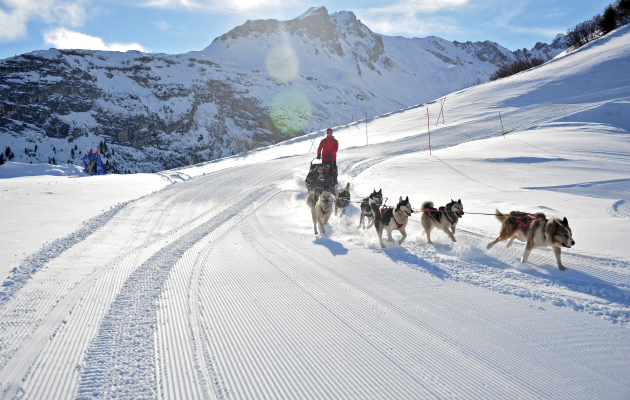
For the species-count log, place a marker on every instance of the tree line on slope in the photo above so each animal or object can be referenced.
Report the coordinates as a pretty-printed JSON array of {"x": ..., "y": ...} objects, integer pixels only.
[{"x": 615, "y": 14}]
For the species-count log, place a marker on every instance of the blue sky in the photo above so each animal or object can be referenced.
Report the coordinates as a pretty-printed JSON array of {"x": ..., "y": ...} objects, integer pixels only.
[{"x": 178, "y": 26}]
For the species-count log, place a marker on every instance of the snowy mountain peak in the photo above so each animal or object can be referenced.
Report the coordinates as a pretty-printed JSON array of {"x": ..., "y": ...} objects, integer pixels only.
[
  {"x": 312, "y": 10},
  {"x": 161, "y": 111}
]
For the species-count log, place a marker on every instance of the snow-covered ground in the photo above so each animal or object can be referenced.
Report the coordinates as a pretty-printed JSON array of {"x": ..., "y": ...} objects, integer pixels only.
[{"x": 207, "y": 281}]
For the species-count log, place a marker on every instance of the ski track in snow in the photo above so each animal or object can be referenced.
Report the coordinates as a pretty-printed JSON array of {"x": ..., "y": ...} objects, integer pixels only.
[
  {"x": 146, "y": 320},
  {"x": 619, "y": 209},
  {"x": 216, "y": 288},
  {"x": 127, "y": 331},
  {"x": 32, "y": 263}
]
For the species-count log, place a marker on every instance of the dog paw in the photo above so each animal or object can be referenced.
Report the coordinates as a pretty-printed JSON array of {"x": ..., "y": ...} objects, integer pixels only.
[
  {"x": 489, "y": 246},
  {"x": 453, "y": 239},
  {"x": 561, "y": 267},
  {"x": 400, "y": 242}
]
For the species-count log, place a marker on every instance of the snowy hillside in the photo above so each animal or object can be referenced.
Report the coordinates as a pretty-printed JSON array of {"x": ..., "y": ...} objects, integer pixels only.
[
  {"x": 216, "y": 287},
  {"x": 259, "y": 84}
]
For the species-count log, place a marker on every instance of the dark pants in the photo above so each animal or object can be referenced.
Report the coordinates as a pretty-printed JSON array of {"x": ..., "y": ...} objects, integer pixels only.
[{"x": 333, "y": 167}]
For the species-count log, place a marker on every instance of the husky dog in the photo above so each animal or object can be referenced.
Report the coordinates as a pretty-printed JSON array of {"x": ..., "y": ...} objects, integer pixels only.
[
  {"x": 391, "y": 219},
  {"x": 366, "y": 210},
  {"x": 343, "y": 199},
  {"x": 536, "y": 230},
  {"x": 321, "y": 208},
  {"x": 443, "y": 218}
]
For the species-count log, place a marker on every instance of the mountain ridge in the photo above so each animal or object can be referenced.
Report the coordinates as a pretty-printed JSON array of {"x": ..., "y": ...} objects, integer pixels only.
[{"x": 258, "y": 84}]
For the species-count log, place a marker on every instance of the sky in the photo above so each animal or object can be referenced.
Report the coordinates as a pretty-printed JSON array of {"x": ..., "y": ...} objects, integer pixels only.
[{"x": 179, "y": 26}]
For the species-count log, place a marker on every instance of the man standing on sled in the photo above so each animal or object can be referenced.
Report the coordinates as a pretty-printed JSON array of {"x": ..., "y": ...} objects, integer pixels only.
[{"x": 327, "y": 152}]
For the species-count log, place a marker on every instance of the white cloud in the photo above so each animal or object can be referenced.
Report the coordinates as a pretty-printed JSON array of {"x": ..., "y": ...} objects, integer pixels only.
[
  {"x": 258, "y": 8},
  {"x": 418, "y": 6},
  {"x": 62, "y": 38},
  {"x": 163, "y": 25},
  {"x": 15, "y": 15},
  {"x": 510, "y": 19},
  {"x": 408, "y": 25},
  {"x": 410, "y": 17}
]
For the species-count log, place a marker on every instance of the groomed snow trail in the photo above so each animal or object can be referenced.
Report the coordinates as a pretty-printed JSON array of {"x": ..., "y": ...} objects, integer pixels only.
[
  {"x": 217, "y": 290},
  {"x": 216, "y": 287}
]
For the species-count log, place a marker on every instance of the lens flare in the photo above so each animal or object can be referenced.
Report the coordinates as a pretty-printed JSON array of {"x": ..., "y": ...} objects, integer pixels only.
[
  {"x": 290, "y": 112},
  {"x": 282, "y": 63}
]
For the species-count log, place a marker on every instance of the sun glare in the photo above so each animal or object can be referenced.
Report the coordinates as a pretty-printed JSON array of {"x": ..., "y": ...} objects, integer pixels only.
[
  {"x": 282, "y": 63},
  {"x": 290, "y": 111}
]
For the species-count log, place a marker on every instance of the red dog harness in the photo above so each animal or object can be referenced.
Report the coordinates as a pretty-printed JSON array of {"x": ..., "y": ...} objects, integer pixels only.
[
  {"x": 399, "y": 225},
  {"x": 518, "y": 219}
]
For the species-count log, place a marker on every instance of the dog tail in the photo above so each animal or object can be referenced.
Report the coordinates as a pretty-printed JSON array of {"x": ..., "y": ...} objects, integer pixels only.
[
  {"x": 427, "y": 205},
  {"x": 377, "y": 213},
  {"x": 311, "y": 200},
  {"x": 501, "y": 217}
]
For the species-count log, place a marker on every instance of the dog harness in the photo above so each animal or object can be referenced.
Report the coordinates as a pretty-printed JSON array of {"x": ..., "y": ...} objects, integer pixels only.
[
  {"x": 399, "y": 225},
  {"x": 447, "y": 217},
  {"x": 394, "y": 218},
  {"x": 525, "y": 226},
  {"x": 441, "y": 210},
  {"x": 323, "y": 212}
]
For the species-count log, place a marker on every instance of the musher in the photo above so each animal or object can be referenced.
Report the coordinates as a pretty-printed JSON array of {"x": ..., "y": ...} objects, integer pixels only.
[{"x": 327, "y": 152}]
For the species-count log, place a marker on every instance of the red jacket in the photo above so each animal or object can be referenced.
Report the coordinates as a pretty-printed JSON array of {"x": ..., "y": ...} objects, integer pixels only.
[{"x": 327, "y": 146}]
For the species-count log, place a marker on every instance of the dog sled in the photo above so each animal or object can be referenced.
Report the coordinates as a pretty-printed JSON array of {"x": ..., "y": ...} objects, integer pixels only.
[{"x": 318, "y": 185}]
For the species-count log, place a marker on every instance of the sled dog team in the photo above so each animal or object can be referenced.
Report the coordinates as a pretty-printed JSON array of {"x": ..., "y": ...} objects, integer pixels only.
[{"x": 536, "y": 230}]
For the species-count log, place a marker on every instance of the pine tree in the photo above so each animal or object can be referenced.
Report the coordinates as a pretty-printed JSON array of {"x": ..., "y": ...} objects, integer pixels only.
[
  {"x": 7, "y": 151},
  {"x": 25, "y": 150},
  {"x": 35, "y": 148},
  {"x": 55, "y": 150},
  {"x": 11, "y": 156},
  {"x": 608, "y": 22},
  {"x": 54, "y": 162},
  {"x": 1, "y": 158},
  {"x": 72, "y": 153}
]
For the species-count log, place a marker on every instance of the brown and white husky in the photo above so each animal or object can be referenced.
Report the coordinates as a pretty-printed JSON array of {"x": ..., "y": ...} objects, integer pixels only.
[
  {"x": 321, "y": 208},
  {"x": 536, "y": 230},
  {"x": 445, "y": 218}
]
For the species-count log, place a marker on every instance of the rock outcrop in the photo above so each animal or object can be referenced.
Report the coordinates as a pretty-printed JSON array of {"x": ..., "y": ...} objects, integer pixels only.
[{"x": 261, "y": 83}]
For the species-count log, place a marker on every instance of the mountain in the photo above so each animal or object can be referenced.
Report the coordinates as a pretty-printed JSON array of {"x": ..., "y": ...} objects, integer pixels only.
[{"x": 259, "y": 84}]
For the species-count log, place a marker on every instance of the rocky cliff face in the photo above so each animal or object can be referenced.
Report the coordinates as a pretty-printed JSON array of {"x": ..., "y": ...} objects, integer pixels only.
[
  {"x": 258, "y": 84},
  {"x": 543, "y": 50}
]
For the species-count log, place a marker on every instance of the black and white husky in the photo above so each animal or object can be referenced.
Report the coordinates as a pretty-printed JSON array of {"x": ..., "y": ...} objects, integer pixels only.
[
  {"x": 392, "y": 219},
  {"x": 444, "y": 218},
  {"x": 343, "y": 200},
  {"x": 366, "y": 210}
]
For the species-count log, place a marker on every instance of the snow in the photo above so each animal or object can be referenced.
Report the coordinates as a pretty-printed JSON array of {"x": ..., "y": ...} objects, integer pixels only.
[{"x": 207, "y": 281}]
